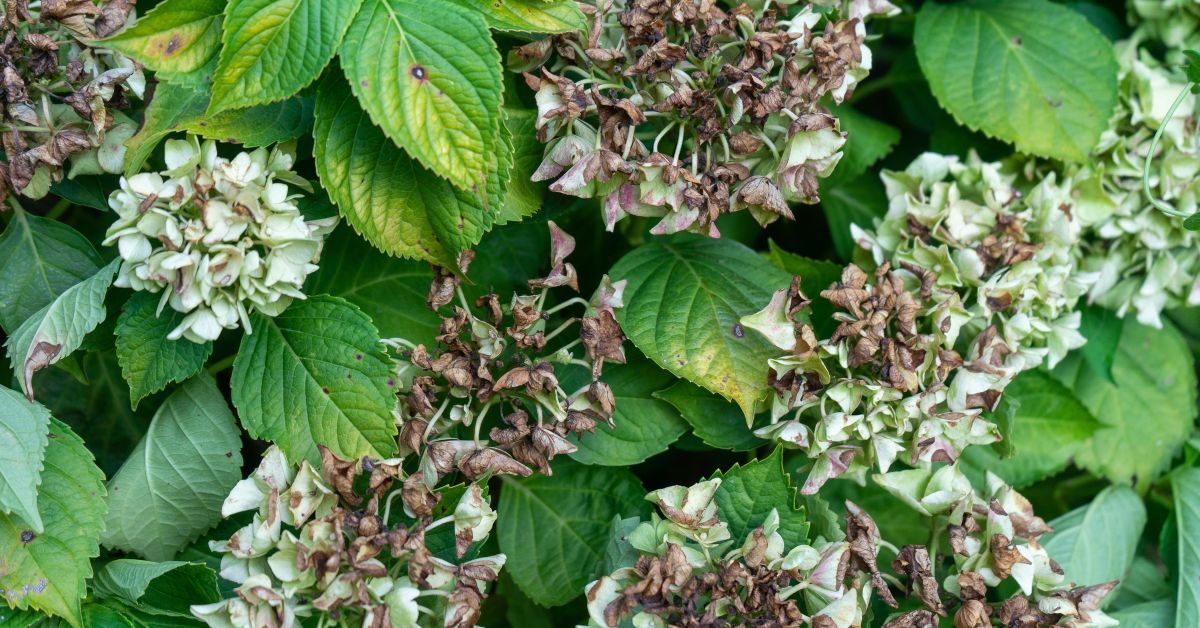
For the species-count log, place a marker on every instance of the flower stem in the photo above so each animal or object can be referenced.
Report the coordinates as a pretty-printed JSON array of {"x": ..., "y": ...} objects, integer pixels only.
[{"x": 1160, "y": 205}]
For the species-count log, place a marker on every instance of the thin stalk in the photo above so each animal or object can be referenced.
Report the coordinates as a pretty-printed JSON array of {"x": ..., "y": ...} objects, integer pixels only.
[{"x": 1160, "y": 205}]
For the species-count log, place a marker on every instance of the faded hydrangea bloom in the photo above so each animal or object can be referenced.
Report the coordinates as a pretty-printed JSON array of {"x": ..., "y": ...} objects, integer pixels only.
[
  {"x": 682, "y": 111},
  {"x": 969, "y": 256},
  {"x": 993, "y": 539},
  {"x": 219, "y": 238},
  {"x": 502, "y": 358},
  {"x": 1146, "y": 261},
  {"x": 688, "y": 571},
  {"x": 318, "y": 548},
  {"x": 1175, "y": 23},
  {"x": 63, "y": 97}
]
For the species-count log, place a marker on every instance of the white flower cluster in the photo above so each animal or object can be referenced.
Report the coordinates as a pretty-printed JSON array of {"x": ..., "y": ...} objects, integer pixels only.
[
  {"x": 218, "y": 237},
  {"x": 1146, "y": 261}
]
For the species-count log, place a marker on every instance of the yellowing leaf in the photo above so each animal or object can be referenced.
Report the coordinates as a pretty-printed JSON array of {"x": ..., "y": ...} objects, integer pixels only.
[
  {"x": 431, "y": 80},
  {"x": 175, "y": 36}
]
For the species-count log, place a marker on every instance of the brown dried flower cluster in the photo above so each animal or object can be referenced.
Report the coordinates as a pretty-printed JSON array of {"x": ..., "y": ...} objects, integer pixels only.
[
  {"x": 732, "y": 96},
  {"x": 500, "y": 355},
  {"x": 60, "y": 94},
  {"x": 319, "y": 545}
]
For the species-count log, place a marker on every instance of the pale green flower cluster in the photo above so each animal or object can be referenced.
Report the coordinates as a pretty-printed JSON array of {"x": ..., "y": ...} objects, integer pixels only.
[
  {"x": 1000, "y": 239},
  {"x": 1176, "y": 23},
  {"x": 685, "y": 562},
  {"x": 219, "y": 238},
  {"x": 1146, "y": 261},
  {"x": 994, "y": 538},
  {"x": 304, "y": 555},
  {"x": 976, "y": 281}
]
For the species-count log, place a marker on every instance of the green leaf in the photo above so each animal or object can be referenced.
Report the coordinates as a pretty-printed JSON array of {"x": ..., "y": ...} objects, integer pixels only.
[
  {"x": 164, "y": 588},
  {"x": 1102, "y": 328},
  {"x": 717, "y": 422},
  {"x": 1048, "y": 429},
  {"x": 384, "y": 194},
  {"x": 272, "y": 49},
  {"x": 1148, "y": 407},
  {"x": 171, "y": 488},
  {"x": 643, "y": 425},
  {"x": 1029, "y": 72},
  {"x": 523, "y": 196},
  {"x": 1186, "y": 487},
  {"x": 178, "y": 107},
  {"x": 56, "y": 330},
  {"x": 1144, "y": 582},
  {"x": 1096, "y": 543},
  {"x": 1192, "y": 223},
  {"x": 683, "y": 302},
  {"x": 391, "y": 291},
  {"x": 748, "y": 494},
  {"x": 23, "y": 429},
  {"x": 171, "y": 105},
  {"x": 555, "y": 529},
  {"x": 815, "y": 275},
  {"x": 316, "y": 374},
  {"x": 39, "y": 259},
  {"x": 149, "y": 360},
  {"x": 174, "y": 36},
  {"x": 533, "y": 16},
  {"x": 867, "y": 141},
  {"x": 1193, "y": 65},
  {"x": 260, "y": 125},
  {"x": 1154, "y": 614},
  {"x": 438, "y": 93},
  {"x": 47, "y": 571},
  {"x": 856, "y": 202},
  {"x": 86, "y": 190}
]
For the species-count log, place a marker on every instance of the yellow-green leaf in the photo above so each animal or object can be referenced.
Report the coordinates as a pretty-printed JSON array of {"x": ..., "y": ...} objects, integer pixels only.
[
  {"x": 431, "y": 80},
  {"x": 274, "y": 48},
  {"x": 175, "y": 36},
  {"x": 533, "y": 16}
]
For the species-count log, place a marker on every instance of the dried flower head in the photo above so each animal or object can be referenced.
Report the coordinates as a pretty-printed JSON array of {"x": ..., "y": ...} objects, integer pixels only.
[
  {"x": 682, "y": 111},
  {"x": 62, "y": 95},
  {"x": 219, "y": 238}
]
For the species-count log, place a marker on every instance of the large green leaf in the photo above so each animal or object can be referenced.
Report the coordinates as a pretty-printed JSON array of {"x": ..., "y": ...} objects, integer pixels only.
[
  {"x": 149, "y": 360},
  {"x": 643, "y": 425},
  {"x": 437, "y": 92},
  {"x": 1186, "y": 487},
  {"x": 177, "y": 107},
  {"x": 391, "y": 291},
  {"x": 175, "y": 36},
  {"x": 47, "y": 571},
  {"x": 158, "y": 588},
  {"x": 272, "y": 49},
  {"x": 23, "y": 428},
  {"x": 1148, "y": 407},
  {"x": 384, "y": 194},
  {"x": 39, "y": 260},
  {"x": 1048, "y": 428},
  {"x": 1102, "y": 328},
  {"x": 717, "y": 422},
  {"x": 682, "y": 305},
  {"x": 56, "y": 330},
  {"x": 1096, "y": 543},
  {"x": 1029, "y": 72},
  {"x": 554, "y": 529},
  {"x": 316, "y": 374},
  {"x": 749, "y": 493},
  {"x": 523, "y": 196},
  {"x": 535, "y": 16},
  {"x": 1154, "y": 614},
  {"x": 170, "y": 489}
]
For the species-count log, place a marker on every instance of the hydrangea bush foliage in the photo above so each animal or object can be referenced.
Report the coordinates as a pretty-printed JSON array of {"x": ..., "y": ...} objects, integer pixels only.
[{"x": 650, "y": 313}]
